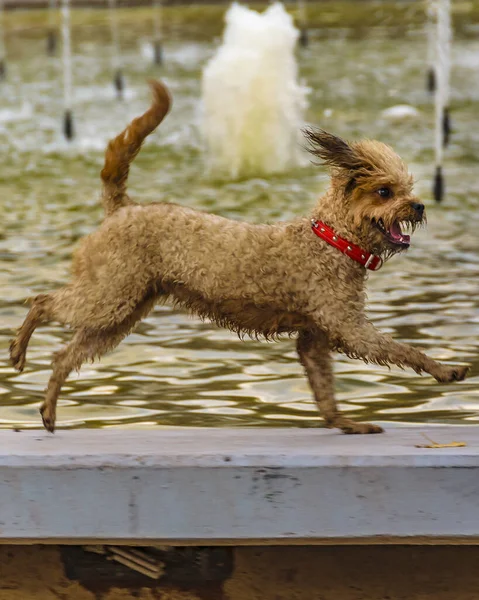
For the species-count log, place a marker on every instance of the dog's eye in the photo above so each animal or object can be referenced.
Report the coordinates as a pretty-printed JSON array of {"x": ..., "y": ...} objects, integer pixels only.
[{"x": 385, "y": 192}]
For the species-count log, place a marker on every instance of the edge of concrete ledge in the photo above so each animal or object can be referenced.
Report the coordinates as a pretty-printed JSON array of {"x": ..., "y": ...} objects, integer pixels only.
[
  {"x": 234, "y": 486},
  {"x": 242, "y": 447}
]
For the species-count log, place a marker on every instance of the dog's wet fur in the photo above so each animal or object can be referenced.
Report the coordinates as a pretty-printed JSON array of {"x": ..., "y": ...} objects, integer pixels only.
[{"x": 262, "y": 280}]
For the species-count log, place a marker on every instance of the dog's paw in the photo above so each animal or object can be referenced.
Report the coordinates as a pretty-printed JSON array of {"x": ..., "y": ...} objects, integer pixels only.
[
  {"x": 449, "y": 374},
  {"x": 17, "y": 356},
  {"x": 48, "y": 417},
  {"x": 351, "y": 427}
]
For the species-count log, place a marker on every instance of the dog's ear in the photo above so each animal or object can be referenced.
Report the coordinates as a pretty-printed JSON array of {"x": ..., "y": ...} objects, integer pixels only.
[{"x": 332, "y": 150}]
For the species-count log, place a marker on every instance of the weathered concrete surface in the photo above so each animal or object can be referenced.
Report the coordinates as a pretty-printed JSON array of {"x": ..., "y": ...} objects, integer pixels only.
[
  {"x": 237, "y": 486},
  {"x": 299, "y": 573}
]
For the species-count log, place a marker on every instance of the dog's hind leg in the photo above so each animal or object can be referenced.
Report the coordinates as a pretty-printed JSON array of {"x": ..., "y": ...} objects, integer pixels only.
[
  {"x": 65, "y": 361},
  {"x": 315, "y": 356},
  {"x": 40, "y": 312},
  {"x": 68, "y": 305},
  {"x": 87, "y": 344}
]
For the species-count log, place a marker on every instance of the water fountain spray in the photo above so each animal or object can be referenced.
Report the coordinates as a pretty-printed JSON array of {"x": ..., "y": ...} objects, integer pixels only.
[
  {"x": 431, "y": 24},
  {"x": 68, "y": 128},
  {"x": 303, "y": 30},
  {"x": 51, "y": 33},
  {"x": 253, "y": 104},
  {"x": 157, "y": 32},
  {"x": 118, "y": 81},
  {"x": 3, "y": 65},
  {"x": 443, "y": 66}
]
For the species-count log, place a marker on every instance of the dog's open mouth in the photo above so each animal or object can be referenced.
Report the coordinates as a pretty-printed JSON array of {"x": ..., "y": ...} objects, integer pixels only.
[{"x": 394, "y": 234}]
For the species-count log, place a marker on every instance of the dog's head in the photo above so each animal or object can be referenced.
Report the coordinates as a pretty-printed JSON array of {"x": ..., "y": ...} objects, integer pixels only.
[{"x": 372, "y": 190}]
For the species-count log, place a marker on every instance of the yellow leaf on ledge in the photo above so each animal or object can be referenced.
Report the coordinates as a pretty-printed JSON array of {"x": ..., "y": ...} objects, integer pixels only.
[{"x": 433, "y": 444}]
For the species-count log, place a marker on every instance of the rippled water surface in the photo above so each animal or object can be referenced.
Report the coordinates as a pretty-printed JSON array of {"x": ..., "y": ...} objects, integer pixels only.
[{"x": 175, "y": 370}]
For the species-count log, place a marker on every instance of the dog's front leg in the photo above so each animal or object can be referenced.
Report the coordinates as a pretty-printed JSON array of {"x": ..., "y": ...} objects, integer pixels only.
[
  {"x": 315, "y": 356},
  {"x": 362, "y": 340}
]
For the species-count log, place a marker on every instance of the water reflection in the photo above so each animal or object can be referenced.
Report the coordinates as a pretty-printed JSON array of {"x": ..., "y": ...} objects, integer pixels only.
[{"x": 176, "y": 370}]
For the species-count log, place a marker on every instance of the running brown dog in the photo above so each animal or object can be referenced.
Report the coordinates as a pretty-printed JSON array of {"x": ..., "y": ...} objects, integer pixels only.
[{"x": 305, "y": 277}]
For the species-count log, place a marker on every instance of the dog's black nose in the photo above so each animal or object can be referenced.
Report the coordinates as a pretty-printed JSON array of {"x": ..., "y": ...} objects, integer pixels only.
[{"x": 418, "y": 207}]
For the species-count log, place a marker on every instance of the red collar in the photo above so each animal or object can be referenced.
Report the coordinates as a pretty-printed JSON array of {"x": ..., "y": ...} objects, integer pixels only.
[{"x": 366, "y": 259}]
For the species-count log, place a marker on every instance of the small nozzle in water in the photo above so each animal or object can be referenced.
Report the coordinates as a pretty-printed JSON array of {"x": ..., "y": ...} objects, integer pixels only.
[
  {"x": 431, "y": 80},
  {"x": 51, "y": 43},
  {"x": 68, "y": 128},
  {"x": 438, "y": 187},
  {"x": 119, "y": 84},
  {"x": 253, "y": 104},
  {"x": 157, "y": 52},
  {"x": 446, "y": 126},
  {"x": 304, "y": 38},
  {"x": 3, "y": 70}
]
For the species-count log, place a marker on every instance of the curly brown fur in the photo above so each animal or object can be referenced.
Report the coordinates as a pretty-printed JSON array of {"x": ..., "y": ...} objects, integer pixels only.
[
  {"x": 122, "y": 150},
  {"x": 262, "y": 280}
]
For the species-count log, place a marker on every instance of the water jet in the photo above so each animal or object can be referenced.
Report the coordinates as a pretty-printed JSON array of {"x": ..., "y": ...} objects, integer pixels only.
[{"x": 253, "y": 103}]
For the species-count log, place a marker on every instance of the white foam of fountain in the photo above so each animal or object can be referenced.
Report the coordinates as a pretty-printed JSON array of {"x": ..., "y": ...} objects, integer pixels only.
[{"x": 253, "y": 104}]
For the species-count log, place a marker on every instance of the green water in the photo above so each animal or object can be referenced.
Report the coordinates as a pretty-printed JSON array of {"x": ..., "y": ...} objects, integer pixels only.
[{"x": 175, "y": 370}]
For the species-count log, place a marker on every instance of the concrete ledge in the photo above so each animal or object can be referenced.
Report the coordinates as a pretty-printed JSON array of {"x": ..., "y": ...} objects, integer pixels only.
[{"x": 238, "y": 486}]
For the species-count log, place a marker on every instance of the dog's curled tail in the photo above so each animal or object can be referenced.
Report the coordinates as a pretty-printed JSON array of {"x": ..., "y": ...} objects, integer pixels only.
[{"x": 122, "y": 150}]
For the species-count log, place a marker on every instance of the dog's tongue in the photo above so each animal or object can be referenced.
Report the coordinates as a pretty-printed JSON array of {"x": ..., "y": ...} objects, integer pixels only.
[{"x": 397, "y": 235}]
